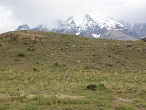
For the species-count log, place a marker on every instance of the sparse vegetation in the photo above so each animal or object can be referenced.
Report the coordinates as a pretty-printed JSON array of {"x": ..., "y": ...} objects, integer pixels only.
[{"x": 66, "y": 72}]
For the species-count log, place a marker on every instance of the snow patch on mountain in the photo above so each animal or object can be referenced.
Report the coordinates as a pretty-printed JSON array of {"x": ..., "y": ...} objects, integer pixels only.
[
  {"x": 96, "y": 36},
  {"x": 78, "y": 33}
]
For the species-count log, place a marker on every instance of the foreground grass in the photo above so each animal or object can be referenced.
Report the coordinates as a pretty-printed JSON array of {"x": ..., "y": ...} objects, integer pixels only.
[
  {"x": 66, "y": 90},
  {"x": 48, "y": 71}
]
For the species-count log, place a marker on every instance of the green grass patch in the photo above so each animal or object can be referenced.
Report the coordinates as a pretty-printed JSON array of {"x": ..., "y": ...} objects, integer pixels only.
[{"x": 49, "y": 71}]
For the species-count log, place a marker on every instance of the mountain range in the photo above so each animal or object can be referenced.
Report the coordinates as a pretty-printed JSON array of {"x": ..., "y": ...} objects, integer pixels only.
[{"x": 102, "y": 28}]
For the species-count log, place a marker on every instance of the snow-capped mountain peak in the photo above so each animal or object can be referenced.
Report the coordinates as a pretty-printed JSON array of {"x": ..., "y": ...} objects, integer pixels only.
[
  {"x": 87, "y": 18},
  {"x": 23, "y": 27},
  {"x": 41, "y": 27},
  {"x": 87, "y": 24},
  {"x": 70, "y": 22},
  {"x": 90, "y": 27},
  {"x": 109, "y": 23},
  {"x": 88, "y": 21}
]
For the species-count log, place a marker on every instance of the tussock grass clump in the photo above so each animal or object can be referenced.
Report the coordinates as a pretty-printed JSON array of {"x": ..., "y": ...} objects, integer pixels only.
[
  {"x": 56, "y": 64},
  {"x": 21, "y": 55},
  {"x": 94, "y": 87}
]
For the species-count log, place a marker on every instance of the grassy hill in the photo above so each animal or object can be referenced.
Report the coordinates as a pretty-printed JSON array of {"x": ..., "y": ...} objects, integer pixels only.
[{"x": 41, "y": 71}]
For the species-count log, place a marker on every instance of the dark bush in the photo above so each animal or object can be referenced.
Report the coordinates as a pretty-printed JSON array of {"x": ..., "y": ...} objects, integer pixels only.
[
  {"x": 21, "y": 55},
  {"x": 92, "y": 87},
  {"x": 95, "y": 87},
  {"x": 56, "y": 64},
  {"x": 34, "y": 69}
]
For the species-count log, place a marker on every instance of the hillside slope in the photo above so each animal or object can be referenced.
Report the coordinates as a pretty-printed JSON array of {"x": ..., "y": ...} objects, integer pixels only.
[
  {"x": 50, "y": 71},
  {"x": 42, "y": 50}
]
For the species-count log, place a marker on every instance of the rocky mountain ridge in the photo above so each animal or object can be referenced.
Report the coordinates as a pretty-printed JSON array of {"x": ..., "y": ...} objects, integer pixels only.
[{"x": 104, "y": 28}]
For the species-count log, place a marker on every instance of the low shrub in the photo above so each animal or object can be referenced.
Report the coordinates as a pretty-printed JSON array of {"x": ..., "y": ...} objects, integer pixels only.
[
  {"x": 92, "y": 87},
  {"x": 21, "y": 55},
  {"x": 95, "y": 87}
]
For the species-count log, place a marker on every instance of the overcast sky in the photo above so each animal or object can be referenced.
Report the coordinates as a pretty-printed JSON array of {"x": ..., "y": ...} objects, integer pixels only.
[{"x": 16, "y": 12}]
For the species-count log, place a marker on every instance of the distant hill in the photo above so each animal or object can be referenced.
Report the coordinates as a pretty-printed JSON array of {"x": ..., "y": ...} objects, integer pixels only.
[
  {"x": 140, "y": 29},
  {"x": 28, "y": 50}
]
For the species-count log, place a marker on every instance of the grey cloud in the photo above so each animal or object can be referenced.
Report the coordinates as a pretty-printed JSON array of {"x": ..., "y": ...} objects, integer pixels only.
[{"x": 44, "y": 11}]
